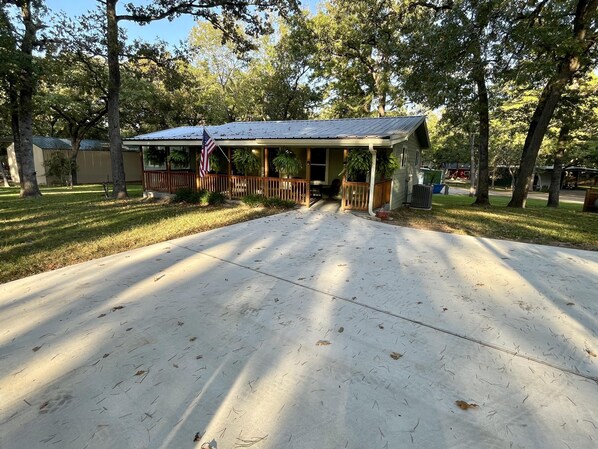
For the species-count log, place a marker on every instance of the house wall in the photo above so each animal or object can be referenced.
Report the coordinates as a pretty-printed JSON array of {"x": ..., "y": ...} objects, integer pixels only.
[
  {"x": 95, "y": 166},
  {"x": 405, "y": 177},
  {"x": 38, "y": 162}
]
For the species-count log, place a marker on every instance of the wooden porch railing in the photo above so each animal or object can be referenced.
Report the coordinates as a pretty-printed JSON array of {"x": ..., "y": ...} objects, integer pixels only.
[
  {"x": 356, "y": 194},
  {"x": 237, "y": 186},
  {"x": 214, "y": 183},
  {"x": 169, "y": 182},
  {"x": 240, "y": 186}
]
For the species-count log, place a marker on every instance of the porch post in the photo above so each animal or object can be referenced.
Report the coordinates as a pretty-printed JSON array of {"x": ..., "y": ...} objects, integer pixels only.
[
  {"x": 265, "y": 172},
  {"x": 167, "y": 151},
  {"x": 142, "y": 169},
  {"x": 308, "y": 176},
  {"x": 343, "y": 187},
  {"x": 197, "y": 178},
  {"x": 230, "y": 176},
  {"x": 372, "y": 181}
]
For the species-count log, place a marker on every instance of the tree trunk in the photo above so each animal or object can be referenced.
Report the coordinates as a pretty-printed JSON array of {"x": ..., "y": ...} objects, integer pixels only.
[
  {"x": 557, "y": 168},
  {"x": 119, "y": 189},
  {"x": 28, "y": 179},
  {"x": 472, "y": 166},
  {"x": 482, "y": 198},
  {"x": 75, "y": 146},
  {"x": 569, "y": 65}
]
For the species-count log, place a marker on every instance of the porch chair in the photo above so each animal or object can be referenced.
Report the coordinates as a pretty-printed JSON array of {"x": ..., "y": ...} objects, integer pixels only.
[{"x": 333, "y": 189}]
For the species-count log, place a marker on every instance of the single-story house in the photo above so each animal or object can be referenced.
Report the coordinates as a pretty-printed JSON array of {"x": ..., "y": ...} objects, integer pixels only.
[
  {"x": 93, "y": 160},
  {"x": 171, "y": 157}
]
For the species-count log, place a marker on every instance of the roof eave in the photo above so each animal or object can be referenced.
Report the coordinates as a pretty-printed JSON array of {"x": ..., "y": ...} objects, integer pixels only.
[{"x": 312, "y": 143}]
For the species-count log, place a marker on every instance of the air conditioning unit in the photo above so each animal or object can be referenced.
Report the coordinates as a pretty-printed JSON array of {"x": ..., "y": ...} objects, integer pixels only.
[{"x": 421, "y": 197}]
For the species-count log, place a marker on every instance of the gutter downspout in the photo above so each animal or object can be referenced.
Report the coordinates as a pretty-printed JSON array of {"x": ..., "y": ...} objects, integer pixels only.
[{"x": 372, "y": 181}]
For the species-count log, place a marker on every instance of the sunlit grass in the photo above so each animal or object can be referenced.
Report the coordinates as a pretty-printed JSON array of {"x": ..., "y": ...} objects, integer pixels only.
[
  {"x": 565, "y": 226},
  {"x": 65, "y": 227}
]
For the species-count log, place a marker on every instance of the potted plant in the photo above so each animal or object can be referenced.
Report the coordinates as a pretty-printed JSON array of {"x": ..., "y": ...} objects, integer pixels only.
[
  {"x": 287, "y": 163},
  {"x": 246, "y": 161}
]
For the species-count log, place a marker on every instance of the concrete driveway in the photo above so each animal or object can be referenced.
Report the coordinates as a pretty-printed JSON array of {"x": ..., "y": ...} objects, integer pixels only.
[{"x": 305, "y": 330}]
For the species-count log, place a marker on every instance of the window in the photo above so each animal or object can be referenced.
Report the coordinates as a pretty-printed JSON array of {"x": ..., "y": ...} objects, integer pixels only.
[
  {"x": 154, "y": 157},
  {"x": 404, "y": 157},
  {"x": 319, "y": 165}
]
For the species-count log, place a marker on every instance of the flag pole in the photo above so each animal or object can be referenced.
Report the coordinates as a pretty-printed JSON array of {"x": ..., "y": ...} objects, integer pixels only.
[{"x": 221, "y": 150}]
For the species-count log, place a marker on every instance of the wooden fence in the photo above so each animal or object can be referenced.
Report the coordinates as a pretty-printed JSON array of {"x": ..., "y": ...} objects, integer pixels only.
[
  {"x": 356, "y": 194},
  {"x": 169, "y": 182}
]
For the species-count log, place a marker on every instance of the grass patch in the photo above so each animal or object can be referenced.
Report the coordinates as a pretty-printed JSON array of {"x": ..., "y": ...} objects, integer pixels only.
[
  {"x": 65, "y": 227},
  {"x": 564, "y": 226}
]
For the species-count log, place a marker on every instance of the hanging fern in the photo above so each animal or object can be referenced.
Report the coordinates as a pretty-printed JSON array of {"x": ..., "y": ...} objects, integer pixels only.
[
  {"x": 155, "y": 156},
  {"x": 245, "y": 161},
  {"x": 359, "y": 163},
  {"x": 287, "y": 163},
  {"x": 179, "y": 157},
  {"x": 386, "y": 163}
]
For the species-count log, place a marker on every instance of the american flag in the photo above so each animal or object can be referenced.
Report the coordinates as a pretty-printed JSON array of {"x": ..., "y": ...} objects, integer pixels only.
[{"x": 208, "y": 145}]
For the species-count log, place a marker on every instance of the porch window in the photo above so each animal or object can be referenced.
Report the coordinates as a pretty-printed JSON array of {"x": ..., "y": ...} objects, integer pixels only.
[
  {"x": 154, "y": 157},
  {"x": 179, "y": 158},
  {"x": 319, "y": 166}
]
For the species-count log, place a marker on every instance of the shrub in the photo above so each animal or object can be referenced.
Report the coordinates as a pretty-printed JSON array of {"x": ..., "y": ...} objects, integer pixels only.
[
  {"x": 277, "y": 203},
  {"x": 189, "y": 196},
  {"x": 60, "y": 167},
  {"x": 253, "y": 200},
  {"x": 272, "y": 202},
  {"x": 214, "y": 199}
]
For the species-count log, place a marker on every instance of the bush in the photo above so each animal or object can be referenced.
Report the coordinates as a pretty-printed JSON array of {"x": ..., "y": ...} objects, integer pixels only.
[
  {"x": 214, "y": 199},
  {"x": 272, "y": 202},
  {"x": 189, "y": 196},
  {"x": 59, "y": 166},
  {"x": 277, "y": 203},
  {"x": 253, "y": 200}
]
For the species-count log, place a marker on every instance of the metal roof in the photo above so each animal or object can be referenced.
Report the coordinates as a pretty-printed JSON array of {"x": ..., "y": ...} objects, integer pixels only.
[
  {"x": 58, "y": 143},
  {"x": 356, "y": 128}
]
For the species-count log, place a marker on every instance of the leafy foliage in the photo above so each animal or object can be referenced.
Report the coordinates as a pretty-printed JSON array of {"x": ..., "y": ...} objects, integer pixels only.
[
  {"x": 270, "y": 202},
  {"x": 246, "y": 161},
  {"x": 60, "y": 167},
  {"x": 287, "y": 163}
]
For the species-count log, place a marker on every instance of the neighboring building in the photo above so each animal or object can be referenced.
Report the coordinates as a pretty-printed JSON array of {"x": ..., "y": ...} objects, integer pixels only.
[
  {"x": 93, "y": 160},
  {"x": 321, "y": 145}
]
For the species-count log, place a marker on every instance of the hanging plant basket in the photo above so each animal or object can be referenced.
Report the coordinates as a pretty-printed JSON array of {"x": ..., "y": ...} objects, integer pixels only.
[
  {"x": 246, "y": 162},
  {"x": 287, "y": 163}
]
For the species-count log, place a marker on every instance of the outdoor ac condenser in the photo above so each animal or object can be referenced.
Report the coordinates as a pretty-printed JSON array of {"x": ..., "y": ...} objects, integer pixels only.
[{"x": 421, "y": 197}]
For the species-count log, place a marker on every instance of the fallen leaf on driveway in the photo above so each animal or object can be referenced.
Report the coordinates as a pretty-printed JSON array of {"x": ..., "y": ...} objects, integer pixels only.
[
  {"x": 117, "y": 308},
  {"x": 37, "y": 348},
  {"x": 323, "y": 343},
  {"x": 395, "y": 355},
  {"x": 590, "y": 352},
  {"x": 465, "y": 405},
  {"x": 140, "y": 372}
]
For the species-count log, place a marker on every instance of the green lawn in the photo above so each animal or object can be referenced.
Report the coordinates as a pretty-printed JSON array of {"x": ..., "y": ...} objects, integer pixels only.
[
  {"x": 64, "y": 227},
  {"x": 70, "y": 226},
  {"x": 565, "y": 226}
]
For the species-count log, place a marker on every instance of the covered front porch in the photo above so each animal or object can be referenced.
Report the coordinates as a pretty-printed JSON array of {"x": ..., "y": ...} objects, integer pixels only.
[{"x": 321, "y": 175}]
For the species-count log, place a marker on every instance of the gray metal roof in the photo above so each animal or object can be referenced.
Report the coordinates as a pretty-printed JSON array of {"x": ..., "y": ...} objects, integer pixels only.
[
  {"x": 58, "y": 143},
  {"x": 382, "y": 128}
]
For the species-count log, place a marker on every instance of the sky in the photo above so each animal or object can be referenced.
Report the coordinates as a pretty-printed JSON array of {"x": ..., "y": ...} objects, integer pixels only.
[{"x": 171, "y": 32}]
